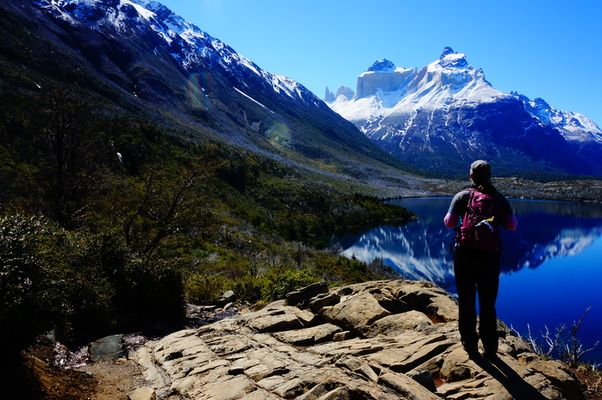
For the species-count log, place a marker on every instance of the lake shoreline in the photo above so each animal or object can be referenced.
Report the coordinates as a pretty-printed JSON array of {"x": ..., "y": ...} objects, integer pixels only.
[{"x": 583, "y": 191}]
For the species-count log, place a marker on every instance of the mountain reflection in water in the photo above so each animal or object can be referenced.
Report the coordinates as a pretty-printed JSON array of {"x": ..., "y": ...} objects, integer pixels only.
[
  {"x": 423, "y": 248},
  {"x": 550, "y": 265}
]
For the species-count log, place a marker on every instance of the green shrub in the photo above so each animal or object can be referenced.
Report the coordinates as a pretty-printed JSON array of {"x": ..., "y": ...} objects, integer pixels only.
[
  {"x": 205, "y": 288},
  {"x": 82, "y": 286},
  {"x": 281, "y": 281},
  {"x": 250, "y": 288}
]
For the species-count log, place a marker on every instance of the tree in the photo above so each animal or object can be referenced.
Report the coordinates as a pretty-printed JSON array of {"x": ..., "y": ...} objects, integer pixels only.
[
  {"x": 72, "y": 145},
  {"x": 161, "y": 203}
]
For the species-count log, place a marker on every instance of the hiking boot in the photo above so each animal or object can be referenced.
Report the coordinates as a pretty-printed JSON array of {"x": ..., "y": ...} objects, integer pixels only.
[
  {"x": 490, "y": 355},
  {"x": 471, "y": 349}
]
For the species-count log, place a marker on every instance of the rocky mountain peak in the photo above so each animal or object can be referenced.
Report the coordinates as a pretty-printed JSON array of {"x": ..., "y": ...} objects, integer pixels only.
[
  {"x": 328, "y": 96},
  {"x": 382, "y": 65},
  {"x": 429, "y": 111},
  {"x": 452, "y": 59},
  {"x": 446, "y": 52},
  {"x": 345, "y": 92}
]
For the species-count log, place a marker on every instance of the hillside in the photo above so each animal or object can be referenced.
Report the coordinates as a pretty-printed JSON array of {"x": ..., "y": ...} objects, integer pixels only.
[{"x": 139, "y": 60}]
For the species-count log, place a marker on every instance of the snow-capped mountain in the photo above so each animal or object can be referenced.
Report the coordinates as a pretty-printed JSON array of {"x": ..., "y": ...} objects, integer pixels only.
[
  {"x": 141, "y": 59},
  {"x": 573, "y": 126},
  {"x": 441, "y": 116},
  {"x": 187, "y": 43}
]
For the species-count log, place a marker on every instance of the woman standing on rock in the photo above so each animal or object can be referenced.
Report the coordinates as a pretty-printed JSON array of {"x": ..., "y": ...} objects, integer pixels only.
[{"x": 483, "y": 211}]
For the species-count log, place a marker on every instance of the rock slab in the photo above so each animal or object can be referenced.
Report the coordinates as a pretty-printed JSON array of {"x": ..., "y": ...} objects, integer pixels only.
[{"x": 382, "y": 340}]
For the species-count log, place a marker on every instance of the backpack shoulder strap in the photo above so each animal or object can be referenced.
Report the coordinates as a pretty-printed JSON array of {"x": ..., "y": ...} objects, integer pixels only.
[{"x": 471, "y": 194}]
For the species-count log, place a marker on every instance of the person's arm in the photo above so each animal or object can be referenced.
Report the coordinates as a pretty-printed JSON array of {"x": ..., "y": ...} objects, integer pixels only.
[
  {"x": 456, "y": 208},
  {"x": 450, "y": 220}
]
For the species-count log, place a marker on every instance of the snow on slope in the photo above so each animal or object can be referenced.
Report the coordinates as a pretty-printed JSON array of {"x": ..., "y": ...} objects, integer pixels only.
[
  {"x": 190, "y": 45},
  {"x": 446, "y": 82},
  {"x": 575, "y": 127},
  {"x": 449, "y": 82}
]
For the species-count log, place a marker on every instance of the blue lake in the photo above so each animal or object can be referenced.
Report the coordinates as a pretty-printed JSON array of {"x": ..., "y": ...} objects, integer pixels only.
[{"x": 550, "y": 265}]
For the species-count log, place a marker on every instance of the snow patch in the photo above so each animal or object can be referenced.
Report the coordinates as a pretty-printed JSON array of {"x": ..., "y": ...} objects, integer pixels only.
[{"x": 252, "y": 99}]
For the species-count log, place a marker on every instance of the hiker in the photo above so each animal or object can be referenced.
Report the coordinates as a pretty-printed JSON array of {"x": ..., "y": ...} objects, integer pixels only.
[{"x": 483, "y": 211}]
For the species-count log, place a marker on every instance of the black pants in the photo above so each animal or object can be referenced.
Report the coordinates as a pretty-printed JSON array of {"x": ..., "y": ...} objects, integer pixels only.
[{"x": 477, "y": 271}]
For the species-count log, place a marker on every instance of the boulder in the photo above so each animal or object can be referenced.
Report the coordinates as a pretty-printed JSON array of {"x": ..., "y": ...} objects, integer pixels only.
[
  {"x": 316, "y": 303},
  {"x": 340, "y": 336},
  {"x": 143, "y": 393},
  {"x": 396, "y": 323},
  {"x": 274, "y": 319},
  {"x": 357, "y": 312},
  {"x": 226, "y": 298},
  {"x": 107, "y": 348},
  {"x": 457, "y": 366},
  {"x": 560, "y": 376},
  {"x": 406, "y": 387},
  {"x": 310, "y": 335},
  {"x": 430, "y": 300},
  {"x": 303, "y": 295}
]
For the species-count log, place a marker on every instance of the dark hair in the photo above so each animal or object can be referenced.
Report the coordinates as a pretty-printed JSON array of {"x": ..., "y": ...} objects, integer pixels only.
[
  {"x": 485, "y": 187},
  {"x": 480, "y": 174}
]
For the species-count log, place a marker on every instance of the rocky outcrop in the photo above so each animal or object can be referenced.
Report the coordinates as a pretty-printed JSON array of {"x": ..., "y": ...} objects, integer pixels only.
[
  {"x": 345, "y": 91},
  {"x": 376, "y": 340},
  {"x": 328, "y": 96},
  {"x": 107, "y": 348}
]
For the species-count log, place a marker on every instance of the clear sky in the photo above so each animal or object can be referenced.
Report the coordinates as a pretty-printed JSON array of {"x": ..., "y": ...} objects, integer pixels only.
[{"x": 550, "y": 49}]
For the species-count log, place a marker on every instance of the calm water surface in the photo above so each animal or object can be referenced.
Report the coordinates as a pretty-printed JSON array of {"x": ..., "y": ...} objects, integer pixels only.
[{"x": 550, "y": 265}]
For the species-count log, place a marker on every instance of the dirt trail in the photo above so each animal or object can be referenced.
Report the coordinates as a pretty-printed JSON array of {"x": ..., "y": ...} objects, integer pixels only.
[
  {"x": 114, "y": 379},
  {"x": 106, "y": 380}
]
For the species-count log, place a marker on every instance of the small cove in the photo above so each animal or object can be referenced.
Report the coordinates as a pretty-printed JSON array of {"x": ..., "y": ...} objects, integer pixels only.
[{"x": 550, "y": 265}]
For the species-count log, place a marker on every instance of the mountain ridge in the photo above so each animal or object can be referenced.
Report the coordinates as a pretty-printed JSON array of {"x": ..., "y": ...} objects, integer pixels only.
[
  {"x": 143, "y": 59},
  {"x": 446, "y": 111}
]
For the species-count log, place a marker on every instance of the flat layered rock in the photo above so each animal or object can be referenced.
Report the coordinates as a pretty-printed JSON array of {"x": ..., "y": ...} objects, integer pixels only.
[
  {"x": 357, "y": 312},
  {"x": 397, "y": 323},
  {"x": 375, "y": 340},
  {"x": 315, "y": 334}
]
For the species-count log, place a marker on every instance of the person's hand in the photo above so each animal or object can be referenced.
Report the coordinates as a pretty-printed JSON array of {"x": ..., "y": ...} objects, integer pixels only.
[{"x": 487, "y": 222}]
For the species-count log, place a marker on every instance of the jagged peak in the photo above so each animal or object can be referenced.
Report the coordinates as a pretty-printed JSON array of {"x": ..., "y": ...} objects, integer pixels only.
[
  {"x": 446, "y": 51},
  {"x": 345, "y": 91},
  {"x": 328, "y": 96},
  {"x": 541, "y": 102},
  {"x": 452, "y": 59},
  {"x": 382, "y": 65}
]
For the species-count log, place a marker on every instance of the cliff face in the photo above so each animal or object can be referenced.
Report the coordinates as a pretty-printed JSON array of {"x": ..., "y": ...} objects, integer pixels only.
[
  {"x": 370, "y": 82},
  {"x": 375, "y": 340}
]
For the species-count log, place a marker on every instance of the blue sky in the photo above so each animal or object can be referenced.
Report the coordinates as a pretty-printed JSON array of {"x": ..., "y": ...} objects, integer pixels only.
[{"x": 548, "y": 49}]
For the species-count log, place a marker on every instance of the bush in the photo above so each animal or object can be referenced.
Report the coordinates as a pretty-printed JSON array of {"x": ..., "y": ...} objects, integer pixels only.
[
  {"x": 281, "y": 281},
  {"x": 21, "y": 278},
  {"x": 149, "y": 296},
  {"x": 250, "y": 288},
  {"x": 79, "y": 285},
  {"x": 204, "y": 288}
]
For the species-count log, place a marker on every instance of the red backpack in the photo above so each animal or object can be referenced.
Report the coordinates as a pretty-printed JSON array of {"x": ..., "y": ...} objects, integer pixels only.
[{"x": 479, "y": 229}]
